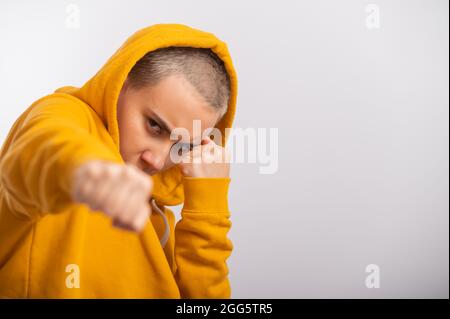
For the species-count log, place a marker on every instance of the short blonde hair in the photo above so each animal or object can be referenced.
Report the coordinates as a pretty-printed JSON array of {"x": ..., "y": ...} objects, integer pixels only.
[{"x": 200, "y": 66}]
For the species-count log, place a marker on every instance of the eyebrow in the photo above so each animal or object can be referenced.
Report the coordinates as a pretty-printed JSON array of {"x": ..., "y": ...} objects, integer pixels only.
[
  {"x": 161, "y": 122},
  {"x": 167, "y": 128}
]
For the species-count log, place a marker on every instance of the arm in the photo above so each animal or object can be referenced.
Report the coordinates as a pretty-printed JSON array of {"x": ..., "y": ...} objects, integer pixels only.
[
  {"x": 37, "y": 163},
  {"x": 201, "y": 243}
]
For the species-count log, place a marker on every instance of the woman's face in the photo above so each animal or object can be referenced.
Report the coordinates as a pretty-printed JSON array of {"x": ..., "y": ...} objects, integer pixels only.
[{"x": 147, "y": 115}]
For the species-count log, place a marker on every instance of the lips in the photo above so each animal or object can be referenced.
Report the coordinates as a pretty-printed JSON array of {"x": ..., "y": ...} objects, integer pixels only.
[{"x": 149, "y": 171}]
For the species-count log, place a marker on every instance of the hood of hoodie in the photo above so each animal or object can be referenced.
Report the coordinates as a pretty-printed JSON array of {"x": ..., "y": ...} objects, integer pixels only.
[{"x": 101, "y": 92}]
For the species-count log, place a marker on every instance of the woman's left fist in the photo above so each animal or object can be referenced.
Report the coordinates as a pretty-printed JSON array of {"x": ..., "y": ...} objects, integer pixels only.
[{"x": 206, "y": 160}]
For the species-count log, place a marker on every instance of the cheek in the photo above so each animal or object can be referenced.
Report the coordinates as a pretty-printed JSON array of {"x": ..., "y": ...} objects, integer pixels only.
[{"x": 132, "y": 132}]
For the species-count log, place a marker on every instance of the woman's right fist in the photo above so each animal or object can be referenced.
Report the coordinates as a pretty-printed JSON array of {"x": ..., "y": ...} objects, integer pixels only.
[{"x": 121, "y": 191}]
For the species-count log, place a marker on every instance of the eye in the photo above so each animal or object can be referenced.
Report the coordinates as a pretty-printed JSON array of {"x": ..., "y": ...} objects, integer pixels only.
[{"x": 154, "y": 126}]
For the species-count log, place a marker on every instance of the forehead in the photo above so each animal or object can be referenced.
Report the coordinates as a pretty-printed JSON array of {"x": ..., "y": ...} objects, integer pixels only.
[{"x": 178, "y": 103}]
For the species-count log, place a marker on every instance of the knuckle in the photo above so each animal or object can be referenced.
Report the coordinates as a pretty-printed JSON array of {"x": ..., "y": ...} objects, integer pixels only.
[
  {"x": 92, "y": 170},
  {"x": 112, "y": 171},
  {"x": 128, "y": 171}
]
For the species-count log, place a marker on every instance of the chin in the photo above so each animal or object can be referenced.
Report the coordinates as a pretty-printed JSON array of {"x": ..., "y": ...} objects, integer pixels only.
[
  {"x": 150, "y": 172},
  {"x": 147, "y": 171}
]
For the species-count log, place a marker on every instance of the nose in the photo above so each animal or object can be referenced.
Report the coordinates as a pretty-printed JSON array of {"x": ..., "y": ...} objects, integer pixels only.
[{"x": 153, "y": 160}]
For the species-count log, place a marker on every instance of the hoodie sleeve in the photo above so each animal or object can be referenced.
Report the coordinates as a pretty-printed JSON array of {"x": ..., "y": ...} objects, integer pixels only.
[
  {"x": 201, "y": 243},
  {"x": 36, "y": 166}
]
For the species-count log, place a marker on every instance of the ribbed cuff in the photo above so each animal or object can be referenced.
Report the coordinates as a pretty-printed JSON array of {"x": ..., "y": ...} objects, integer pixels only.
[{"x": 206, "y": 194}]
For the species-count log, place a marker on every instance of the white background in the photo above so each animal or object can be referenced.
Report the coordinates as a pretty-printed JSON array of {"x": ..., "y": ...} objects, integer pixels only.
[{"x": 363, "y": 128}]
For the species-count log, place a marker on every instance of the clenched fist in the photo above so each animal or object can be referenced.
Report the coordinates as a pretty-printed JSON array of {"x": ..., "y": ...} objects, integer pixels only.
[
  {"x": 206, "y": 160},
  {"x": 121, "y": 191}
]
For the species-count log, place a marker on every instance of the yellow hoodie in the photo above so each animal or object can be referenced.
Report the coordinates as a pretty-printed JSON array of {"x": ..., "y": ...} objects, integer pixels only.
[{"x": 51, "y": 247}]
